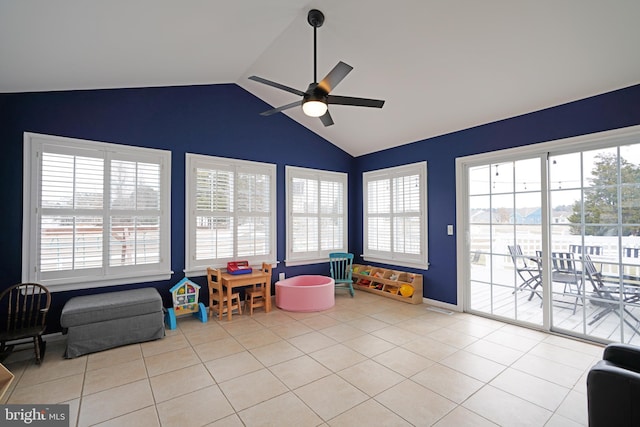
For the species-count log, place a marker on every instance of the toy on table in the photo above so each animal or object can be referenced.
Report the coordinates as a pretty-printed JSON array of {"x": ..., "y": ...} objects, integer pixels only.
[
  {"x": 238, "y": 267},
  {"x": 185, "y": 301}
]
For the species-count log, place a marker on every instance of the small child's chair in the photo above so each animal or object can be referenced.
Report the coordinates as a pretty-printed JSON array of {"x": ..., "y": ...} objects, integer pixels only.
[
  {"x": 217, "y": 296},
  {"x": 256, "y": 296},
  {"x": 341, "y": 264}
]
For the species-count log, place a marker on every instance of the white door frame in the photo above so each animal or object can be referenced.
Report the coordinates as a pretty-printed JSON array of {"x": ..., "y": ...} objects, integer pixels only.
[{"x": 604, "y": 139}]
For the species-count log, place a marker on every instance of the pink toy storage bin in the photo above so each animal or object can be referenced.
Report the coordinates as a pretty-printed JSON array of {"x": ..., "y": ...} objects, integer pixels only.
[{"x": 305, "y": 293}]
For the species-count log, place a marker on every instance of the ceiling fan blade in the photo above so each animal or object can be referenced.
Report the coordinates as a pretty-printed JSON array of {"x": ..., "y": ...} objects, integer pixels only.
[
  {"x": 326, "y": 119},
  {"x": 335, "y": 76},
  {"x": 279, "y": 109},
  {"x": 359, "y": 102},
  {"x": 276, "y": 85}
]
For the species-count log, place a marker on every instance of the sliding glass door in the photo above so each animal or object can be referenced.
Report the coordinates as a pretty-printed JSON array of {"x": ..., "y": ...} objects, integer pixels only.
[
  {"x": 505, "y": 229},
  {"x": 595, "y": 205},
  {"x": 551, "y": 235}
]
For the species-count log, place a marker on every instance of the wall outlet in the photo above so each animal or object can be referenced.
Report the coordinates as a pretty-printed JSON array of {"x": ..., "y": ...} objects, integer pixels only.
[
  {"x": 450, "y": 230},
  {"x": 281, "y": 276}
]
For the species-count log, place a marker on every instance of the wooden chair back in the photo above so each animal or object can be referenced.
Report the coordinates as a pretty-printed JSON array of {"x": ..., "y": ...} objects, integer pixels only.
[
  {"x": 266, "y": 267},
  {"x": 217, "y": 296},
  {"x": 256, "y": 296},
  {"x": 341, "y": 267},
  {"x": 214, "y": 282},
  {"x": 26, "y": 305}
]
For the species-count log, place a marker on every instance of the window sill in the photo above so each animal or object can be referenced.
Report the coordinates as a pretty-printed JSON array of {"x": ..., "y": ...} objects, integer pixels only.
[
  {"x": 58, "y": 286},
  {"x": 399, "y": 263},
  {"x": 293, "y": 263}
]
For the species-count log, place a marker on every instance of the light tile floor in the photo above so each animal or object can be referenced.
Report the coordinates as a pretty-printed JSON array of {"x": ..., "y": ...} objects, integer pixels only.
[{"x": 368, "y": 361}]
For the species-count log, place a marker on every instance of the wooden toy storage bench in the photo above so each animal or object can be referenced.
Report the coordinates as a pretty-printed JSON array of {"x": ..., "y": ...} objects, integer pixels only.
[
  {"x": 388, "y": 283},
  {"x": 102, "y": 321}
]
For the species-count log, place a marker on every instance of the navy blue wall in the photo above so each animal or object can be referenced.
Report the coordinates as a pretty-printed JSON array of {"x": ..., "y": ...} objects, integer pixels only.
[
  {"x": 219, "y": 120},
  {"x": 223, "y": 120},
  {"x": 608, "y": 111}
]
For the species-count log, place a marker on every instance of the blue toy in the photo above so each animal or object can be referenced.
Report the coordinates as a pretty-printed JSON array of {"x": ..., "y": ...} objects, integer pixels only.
[{"x": 185, "y": 301}]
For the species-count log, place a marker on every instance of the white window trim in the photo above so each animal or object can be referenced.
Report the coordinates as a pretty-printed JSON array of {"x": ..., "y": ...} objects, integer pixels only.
[
  {"x": 314, "y": 257},
  {"x": 33, "y": 147},
  {"x": 193, "y": 267},
  {"x": 421, "y": 260}
]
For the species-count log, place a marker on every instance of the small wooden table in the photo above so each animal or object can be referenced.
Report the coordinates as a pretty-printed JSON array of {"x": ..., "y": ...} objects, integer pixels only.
[{"x": 231, "y": 281}]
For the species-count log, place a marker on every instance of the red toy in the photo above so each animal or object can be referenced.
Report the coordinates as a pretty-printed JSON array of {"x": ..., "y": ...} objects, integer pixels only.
[{"x": 238, "y": 267}]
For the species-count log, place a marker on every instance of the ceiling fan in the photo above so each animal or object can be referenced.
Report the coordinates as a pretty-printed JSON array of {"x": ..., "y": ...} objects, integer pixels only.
[{"x": 316, "y": 98}]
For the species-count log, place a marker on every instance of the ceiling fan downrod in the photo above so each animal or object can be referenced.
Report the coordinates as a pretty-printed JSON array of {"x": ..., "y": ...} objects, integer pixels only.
[{"x": 315, "y": 18}]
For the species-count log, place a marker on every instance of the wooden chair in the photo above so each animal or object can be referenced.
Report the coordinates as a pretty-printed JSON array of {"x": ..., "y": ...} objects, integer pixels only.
[
  {"x": 340, "y": 265},
  {"x": 218, "y": 296},
  {"x": 256, "y": 296},
  {"x": 26, "y": 305}
]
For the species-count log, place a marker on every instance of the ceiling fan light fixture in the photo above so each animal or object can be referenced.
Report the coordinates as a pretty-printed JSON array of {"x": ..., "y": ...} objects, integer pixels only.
[{"x": 314, "y": 108}]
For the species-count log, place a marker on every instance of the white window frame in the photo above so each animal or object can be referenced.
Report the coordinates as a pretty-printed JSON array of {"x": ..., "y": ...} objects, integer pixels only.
[
  {"x": 319, "y": 255},
  {"x": 195, "y": 267},
  {"x": 420, "y": 260},
  {"x": 106, "y": 275}
]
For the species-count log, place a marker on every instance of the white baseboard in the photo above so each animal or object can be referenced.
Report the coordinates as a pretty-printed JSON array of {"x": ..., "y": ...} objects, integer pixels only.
[{"x": 440, "y": 304}]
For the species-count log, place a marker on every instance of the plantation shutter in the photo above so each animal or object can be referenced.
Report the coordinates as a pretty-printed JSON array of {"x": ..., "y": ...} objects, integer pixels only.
[
  {"x": 230, "y": 216},
  {"x": 305, "y": 215},
  {"x": 97, "y": 214},
  {"x": 395, "y": 215},
  {"x": 135, "y": 213},
  {"x": 71, "y": 222},
  {"x": 331, "y": 216},
  {"x": 316, "y": 221}
]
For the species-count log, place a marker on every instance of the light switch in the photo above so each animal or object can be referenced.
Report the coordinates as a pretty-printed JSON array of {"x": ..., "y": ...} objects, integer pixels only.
[{"x": 450, "y": 230}]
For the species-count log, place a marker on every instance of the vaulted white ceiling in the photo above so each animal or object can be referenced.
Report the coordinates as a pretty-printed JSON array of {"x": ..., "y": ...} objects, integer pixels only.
[{"x": 441, "y": 66}]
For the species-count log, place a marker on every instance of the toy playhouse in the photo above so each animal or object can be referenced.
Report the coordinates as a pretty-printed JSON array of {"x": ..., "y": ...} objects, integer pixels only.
[{"x": 185, "y": 301}]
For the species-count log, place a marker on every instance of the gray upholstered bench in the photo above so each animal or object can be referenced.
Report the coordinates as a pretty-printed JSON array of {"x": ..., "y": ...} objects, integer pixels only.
[{"x": 98, "y": 322}]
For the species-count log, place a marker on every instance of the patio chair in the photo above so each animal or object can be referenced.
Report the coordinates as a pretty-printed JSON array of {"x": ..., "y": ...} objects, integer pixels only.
[
  {"x": 564, "y": 270},
  {"x": 529, "y": 272},
  {"x": 26, "y": 305},
  {"x": 586, "y": 249},
  {"x": 610, "y": 295},
  {"x": 341, "y": 267}
]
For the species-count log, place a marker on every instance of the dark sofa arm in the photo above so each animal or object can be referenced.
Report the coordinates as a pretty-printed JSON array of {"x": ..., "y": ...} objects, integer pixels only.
[
  {"x": 613, "y": 388},
  {"x": 623, "y": 355}
]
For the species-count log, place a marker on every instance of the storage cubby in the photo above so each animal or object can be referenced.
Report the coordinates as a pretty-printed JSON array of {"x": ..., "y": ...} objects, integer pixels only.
[{"x": 399, "y": 285}]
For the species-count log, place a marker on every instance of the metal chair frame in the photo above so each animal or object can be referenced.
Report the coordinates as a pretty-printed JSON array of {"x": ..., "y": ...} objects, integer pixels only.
[
  {"x": 530, "y": 275},
  {"x": 611, "y": 294}
]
